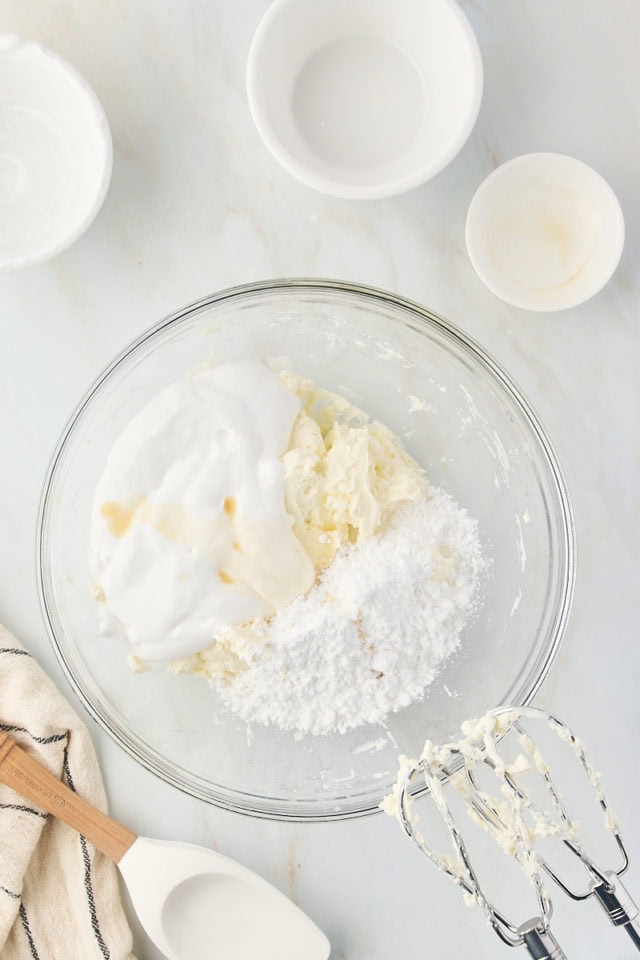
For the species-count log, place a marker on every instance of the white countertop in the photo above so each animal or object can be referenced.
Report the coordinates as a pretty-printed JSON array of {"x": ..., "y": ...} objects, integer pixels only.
[{"x": 197, "y": 204}]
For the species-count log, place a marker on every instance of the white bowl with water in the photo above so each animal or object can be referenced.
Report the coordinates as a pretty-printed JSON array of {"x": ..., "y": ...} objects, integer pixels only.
[{"x": 364, "y": 98}]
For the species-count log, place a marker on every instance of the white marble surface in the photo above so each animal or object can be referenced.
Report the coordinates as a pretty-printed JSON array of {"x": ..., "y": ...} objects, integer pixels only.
[{"x": 196, "y": 204}]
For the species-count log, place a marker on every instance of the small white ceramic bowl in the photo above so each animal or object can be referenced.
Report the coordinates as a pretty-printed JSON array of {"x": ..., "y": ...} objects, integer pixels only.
[
  {"x": 545, "y": 232},
  {"x": 55, "y": 153},
  {"x": 364, "y": 98}
]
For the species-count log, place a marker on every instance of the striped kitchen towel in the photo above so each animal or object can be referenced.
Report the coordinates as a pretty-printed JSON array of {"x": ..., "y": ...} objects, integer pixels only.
[{"x": 59, "y": 897}]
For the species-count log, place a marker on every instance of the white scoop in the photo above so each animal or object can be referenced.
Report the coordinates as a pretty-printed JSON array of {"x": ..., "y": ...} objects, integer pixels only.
[{"x": 192, "y": 901}]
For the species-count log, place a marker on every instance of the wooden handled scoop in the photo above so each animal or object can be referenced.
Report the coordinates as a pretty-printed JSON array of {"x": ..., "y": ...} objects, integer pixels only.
[{"x": 192, "y": 901}]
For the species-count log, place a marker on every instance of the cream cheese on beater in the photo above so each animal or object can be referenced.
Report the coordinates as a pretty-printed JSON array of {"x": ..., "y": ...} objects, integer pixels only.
[{"x": 509, "y": 815}]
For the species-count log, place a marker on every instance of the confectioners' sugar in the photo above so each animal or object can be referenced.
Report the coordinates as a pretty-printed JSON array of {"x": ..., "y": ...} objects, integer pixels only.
[{"x": 371, "y": 635}]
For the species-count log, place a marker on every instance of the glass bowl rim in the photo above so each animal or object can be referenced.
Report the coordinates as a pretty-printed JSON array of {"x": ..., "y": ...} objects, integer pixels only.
[{"x": 194, "y": 785}]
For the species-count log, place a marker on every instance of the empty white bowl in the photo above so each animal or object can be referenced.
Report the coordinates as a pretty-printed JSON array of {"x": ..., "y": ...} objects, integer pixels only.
[
  {"x": 364, "y": 98},
  {"x": 545, "y": 232},
  {"x": 55, "y": 153}
]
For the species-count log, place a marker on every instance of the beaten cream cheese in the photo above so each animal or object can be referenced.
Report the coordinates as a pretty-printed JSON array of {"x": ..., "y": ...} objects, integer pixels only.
[{"x": 344, "y": 472}]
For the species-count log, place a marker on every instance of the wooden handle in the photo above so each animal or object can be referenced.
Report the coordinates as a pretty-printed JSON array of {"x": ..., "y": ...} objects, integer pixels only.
[{"x": 33, "y": 781}]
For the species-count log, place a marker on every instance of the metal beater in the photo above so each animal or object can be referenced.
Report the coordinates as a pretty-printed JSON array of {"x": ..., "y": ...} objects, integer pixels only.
[{"x": 515, "y": 820}]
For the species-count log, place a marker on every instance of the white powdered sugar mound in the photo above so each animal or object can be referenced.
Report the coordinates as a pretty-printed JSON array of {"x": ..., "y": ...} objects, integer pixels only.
[{"x": 370, "y": 636}]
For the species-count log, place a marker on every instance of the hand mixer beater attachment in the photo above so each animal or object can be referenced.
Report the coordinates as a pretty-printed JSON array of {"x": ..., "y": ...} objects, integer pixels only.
[{"x": 515, "y": 817}]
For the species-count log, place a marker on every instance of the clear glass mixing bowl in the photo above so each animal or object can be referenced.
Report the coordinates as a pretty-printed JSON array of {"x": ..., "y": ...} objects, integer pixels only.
[{"x": 463, "y": 420}]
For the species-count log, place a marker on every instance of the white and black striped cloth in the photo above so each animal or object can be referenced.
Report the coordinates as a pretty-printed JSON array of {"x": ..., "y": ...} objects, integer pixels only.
[{"x": 59, "y": 897}]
